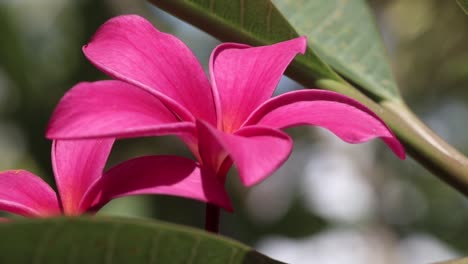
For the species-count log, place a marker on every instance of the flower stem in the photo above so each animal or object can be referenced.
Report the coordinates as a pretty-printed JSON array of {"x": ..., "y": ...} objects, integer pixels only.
[{"x": 212, "y": 214}]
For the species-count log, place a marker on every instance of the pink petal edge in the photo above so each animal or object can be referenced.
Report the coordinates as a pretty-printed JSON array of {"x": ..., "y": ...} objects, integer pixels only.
[
  {"x": 345, "y": 117},
  {"x": 77, "y": 165},
  {"x": 167, "y": 175},
  {"x": 256, "y": 151},
  {"x": 244, "y": 77},
  {"x": 131, "y": 49},
  {"x": 112, "y": 109},
  {"x": 26, "y": 194}
]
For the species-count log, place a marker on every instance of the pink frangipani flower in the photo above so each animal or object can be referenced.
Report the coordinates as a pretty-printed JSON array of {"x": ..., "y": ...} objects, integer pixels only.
[
  {"x": 82, "y": 187},
  {"x": 161, "y": 88}
]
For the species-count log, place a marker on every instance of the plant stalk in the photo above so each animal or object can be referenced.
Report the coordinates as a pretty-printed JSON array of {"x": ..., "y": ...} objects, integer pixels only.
[
  {"x": 420, "y": 142},
  {"x": 212, "y": 215},
  {"x": 213, "y": 212}
]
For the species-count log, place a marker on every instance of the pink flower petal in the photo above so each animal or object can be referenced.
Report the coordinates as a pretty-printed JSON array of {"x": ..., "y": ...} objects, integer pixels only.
[
  {"x": 256, "y": 151},
  {"x": 129, "y": 48},
  {"x": 345, "y": 117},
  {"x": 24, "y": 193},
  {"x": 244, "y": 77},
  {"x": 77, "y": 165},
  {"x": 169, "y": 175},
  {"x": 111, "y": 109}
]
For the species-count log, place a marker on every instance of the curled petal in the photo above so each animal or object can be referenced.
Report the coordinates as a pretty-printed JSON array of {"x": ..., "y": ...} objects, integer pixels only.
[
  {"x": 169, "y": 175},
  {"x": 111, "y": 109},
  {"x": 130, "y": 49},
  {"x": 77, "y": 165},
  {"x": 256, "y": 151},
  {"x": 244, "y": 77},
  {"x": 345, "y": 117},
  {"x": 24, "y": 193}
]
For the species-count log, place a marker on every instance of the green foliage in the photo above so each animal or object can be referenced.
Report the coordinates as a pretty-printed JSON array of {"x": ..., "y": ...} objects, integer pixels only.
[
  {"x": 343, "y": 33},
  {"x": 256, "y": 22},
  {"x": 116, "y": 240},
  {"x": 464, "y": 5}
]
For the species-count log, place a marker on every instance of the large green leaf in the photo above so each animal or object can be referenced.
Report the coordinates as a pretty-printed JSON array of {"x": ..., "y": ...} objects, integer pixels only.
[
  {"x": 116, "y": 240},
  {"x": 464, "y": 5},
  {"x": 343, "y": 33}
]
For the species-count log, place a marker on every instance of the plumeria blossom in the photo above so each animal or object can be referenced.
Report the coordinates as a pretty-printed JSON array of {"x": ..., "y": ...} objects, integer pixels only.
[
  {"x": 160, "y": 88},
  {"x": 82, "y": 187}
]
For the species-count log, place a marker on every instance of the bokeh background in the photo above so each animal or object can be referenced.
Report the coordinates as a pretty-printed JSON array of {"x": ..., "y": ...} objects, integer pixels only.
[{"x": 331, "y": 202}]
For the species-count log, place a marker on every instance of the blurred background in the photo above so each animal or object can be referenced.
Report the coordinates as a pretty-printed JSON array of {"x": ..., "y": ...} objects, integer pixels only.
[{"x": 331, "y": 202}]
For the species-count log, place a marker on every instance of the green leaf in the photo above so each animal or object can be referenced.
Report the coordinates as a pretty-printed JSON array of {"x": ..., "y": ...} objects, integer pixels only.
[
  {"x": 116, "y": 240},
  {"x": 464, "y": 5},
  {"x": 255, "y": 22},
  {"x": 343, "y": 34}
]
